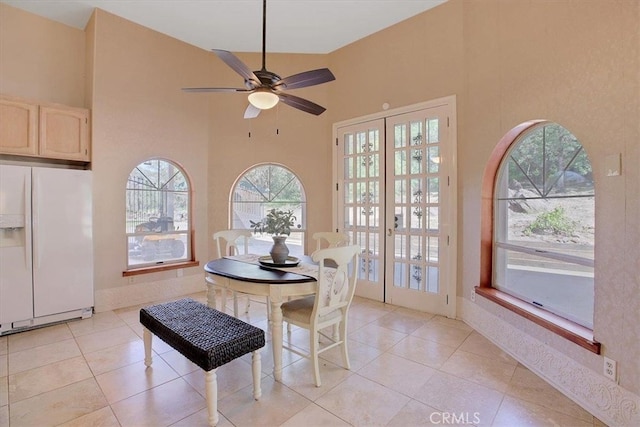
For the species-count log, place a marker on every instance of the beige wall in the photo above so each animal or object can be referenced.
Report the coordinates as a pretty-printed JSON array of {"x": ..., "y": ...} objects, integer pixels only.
[
  {"x": 41, "y": 59},
  {"x": 506, "y": 61}
]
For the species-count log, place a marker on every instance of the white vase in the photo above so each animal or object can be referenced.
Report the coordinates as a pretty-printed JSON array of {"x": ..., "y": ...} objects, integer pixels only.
[{"x": 279, "y": 251}]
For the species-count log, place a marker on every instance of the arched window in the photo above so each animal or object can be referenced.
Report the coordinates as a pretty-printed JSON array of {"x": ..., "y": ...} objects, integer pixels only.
[
  {"x": 542, "y": 232},
  {"x": 158, "y": 220},
  {"x": 262, "y": 188}
]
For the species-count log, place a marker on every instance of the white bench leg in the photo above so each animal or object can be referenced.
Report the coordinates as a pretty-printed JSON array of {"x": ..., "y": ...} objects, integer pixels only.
[
  {"x": 211, "y": 391},
  {"x": 147, "y": 337},
  {"x": 256, "y": 368}
]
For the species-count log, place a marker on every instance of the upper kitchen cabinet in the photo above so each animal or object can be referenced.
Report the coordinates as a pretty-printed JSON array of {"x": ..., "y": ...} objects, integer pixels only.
[
  {"x": 50, "y": 131},
  {"x": 64, "y": 133},
  {"x": 18, "y": 127}
]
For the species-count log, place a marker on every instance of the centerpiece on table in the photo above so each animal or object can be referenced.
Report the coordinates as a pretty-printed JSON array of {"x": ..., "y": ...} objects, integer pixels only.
[{"x": 278, "y": 223}]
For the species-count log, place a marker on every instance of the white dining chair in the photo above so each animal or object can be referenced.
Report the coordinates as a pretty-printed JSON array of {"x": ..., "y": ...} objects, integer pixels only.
[
  {"x": 330, "y": 239},
  {"x": 337, "y": 276},
  {"x": 228, "y": 242}
]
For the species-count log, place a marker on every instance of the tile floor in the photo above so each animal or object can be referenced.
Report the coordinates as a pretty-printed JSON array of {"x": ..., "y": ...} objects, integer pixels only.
[{"x": 407, "y": 369}]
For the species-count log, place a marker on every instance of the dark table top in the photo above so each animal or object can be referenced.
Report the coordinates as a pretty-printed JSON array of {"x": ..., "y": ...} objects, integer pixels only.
[{"x": 252, "y": 272}]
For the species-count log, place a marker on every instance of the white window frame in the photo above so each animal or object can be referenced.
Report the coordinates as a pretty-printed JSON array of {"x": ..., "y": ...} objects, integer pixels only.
[
  {"x": 264, "y": 199},
  {"x": 501, "y": 245},
  {"x": 157, "y": 218}
]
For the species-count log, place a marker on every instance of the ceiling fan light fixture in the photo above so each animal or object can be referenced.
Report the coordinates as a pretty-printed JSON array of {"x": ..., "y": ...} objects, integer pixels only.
[{"x": 263, "y": 99}]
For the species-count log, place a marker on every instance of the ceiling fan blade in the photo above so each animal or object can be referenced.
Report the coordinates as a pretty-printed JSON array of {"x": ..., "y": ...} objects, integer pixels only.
[
  {"x": 215, "y": 89},
  {"x": 301, "y": 104},
  {"x": 238, "y": 66},
  {"x": 308, "y": 78},
  {"x": 251, "y": 112}
]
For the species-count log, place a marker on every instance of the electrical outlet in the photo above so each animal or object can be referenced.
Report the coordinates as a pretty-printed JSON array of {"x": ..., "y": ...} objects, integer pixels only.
[
  {"x": 610, "y": 369},
  {"x": 473, "y": 295}
]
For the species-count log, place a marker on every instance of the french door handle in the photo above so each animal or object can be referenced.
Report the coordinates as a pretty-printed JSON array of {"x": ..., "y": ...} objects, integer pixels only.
[{"x": 389, "y": 232}]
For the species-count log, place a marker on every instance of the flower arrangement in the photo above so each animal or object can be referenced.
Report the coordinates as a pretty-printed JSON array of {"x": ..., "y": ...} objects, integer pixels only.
[{"x": 277, "y": 223}]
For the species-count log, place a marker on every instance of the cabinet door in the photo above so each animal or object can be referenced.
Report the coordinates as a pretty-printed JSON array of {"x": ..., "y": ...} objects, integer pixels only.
[
  {"x": 18, "y": 132},
  {"x": 64, "y": 133}
]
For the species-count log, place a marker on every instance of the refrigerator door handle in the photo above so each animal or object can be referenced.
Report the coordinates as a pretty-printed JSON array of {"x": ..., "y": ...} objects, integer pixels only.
[
  {"x": 27, "y": 198},
  {"x": 35, "y": 209}
]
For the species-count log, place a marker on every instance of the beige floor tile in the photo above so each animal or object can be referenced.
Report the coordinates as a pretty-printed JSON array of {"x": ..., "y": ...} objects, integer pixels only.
[
  {"x": 454, "y": 323},
  {"x": 518, "y": 412},
  {"x": 413, "y": 313},
  {"x": 266, "y": 358},
  {"x": 525, "y": 385},
  {"x": 178, "y": 362},
  {"x": 133, "y": 379},
  {"x": 98, "y": 322},
  {"x": 442, "y": 333},
  {"x": 277, "y": 404},
  {"x": 365, "y": 312},
  {"x": 53, "y": 407},
  {"x": 400, "y": 323},
  {"x": 104, "y": 339},
  {"x": 4, "y": 391},
  {"x": 201, "y": 418},
  {"x": 397, "y": 373},
  {"x": 159, "y": 406},
  {"x": 115, "y": 357},
  {"x": 378, "y": 337},
  {"x": 362, "y": 402},
  {"x": 4, "y": 416},
  {"x": 479, "y": 369},
  {"x": 416, "y": 414},
  {"x": 407, "y": 369},
  {"x": 477, "y": 344},
  {"x": 231, "y": 377},
  {"x": 101, "y": 418},
  {"x": 30, "y": 383},
  {"x": 130, "y": 315},
  {"x": 42, "y": 355},
  {"x": 423, "y": 351},
  {"x": 359, "y": 354},
  {"x": 448, "y": 393},
  {"x": 38, "y": 337},
  {"x": 314, "y": 415},
  {"x": 299, "y": 377}
]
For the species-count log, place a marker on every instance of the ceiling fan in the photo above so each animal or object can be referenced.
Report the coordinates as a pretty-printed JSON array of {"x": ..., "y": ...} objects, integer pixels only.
[{"x": 265, "y": 88}]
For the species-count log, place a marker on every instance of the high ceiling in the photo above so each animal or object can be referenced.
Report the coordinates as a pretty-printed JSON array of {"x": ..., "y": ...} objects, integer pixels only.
[{"x": 293, "y": 26}]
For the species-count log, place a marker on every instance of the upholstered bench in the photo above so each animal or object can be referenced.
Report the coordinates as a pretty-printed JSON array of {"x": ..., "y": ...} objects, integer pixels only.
[{"x": 205, "y": 336}]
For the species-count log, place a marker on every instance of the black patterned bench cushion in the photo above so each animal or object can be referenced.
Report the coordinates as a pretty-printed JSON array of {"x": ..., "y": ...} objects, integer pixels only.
[{"x": 207, "y": 337}]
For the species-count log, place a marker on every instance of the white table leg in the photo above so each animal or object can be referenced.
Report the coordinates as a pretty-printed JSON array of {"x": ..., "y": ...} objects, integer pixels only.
[
  {"x": 147, "y": 337},
  {"x": 276, "y": 336},
  {"x": 223, "y": 297},
  {"x": 211, "y": 295},
  {"x": 211, "y": 391}
]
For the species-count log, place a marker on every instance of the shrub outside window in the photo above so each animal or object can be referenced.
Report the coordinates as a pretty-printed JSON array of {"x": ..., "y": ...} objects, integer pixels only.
[
  {"x": 157, "y": 214},
  {"x": 544, "y": 223},
  {"x": 260, "y": 189}
]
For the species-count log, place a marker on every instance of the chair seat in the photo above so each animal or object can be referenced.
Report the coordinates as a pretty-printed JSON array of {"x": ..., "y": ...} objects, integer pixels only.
[{"x": 300, "y": 310}]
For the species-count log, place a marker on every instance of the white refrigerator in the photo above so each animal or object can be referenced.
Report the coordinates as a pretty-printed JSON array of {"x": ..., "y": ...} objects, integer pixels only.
[{"x": 46, "y": 246}]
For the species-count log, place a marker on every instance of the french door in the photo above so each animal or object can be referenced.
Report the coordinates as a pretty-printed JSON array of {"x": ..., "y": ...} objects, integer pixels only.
[{"x": 396, "y": 199}]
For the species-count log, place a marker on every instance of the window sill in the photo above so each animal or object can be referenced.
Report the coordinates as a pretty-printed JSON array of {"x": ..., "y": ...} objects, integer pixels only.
[
  {"x": 161, "y": 267},
  {"x": 573, "y": 332}
]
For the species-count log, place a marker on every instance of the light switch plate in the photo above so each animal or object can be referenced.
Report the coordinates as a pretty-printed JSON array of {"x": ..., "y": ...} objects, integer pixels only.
[{"x": 613, "y": 165}]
